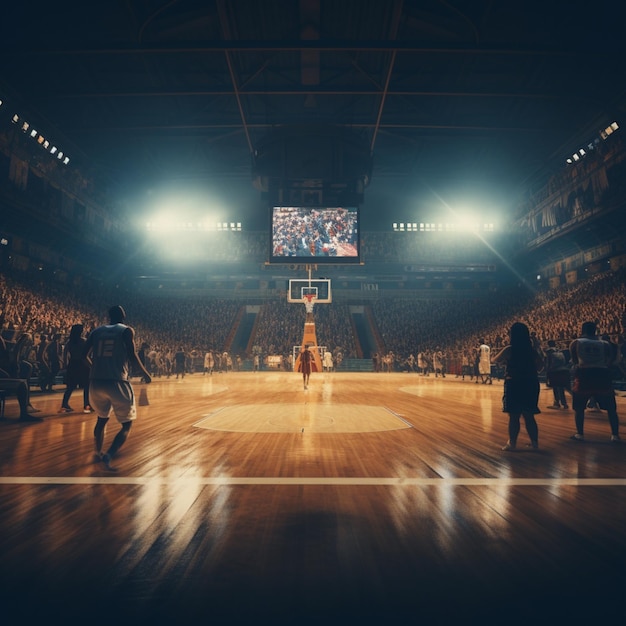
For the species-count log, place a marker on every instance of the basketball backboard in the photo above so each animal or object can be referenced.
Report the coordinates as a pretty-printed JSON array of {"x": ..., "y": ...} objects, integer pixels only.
[{"x": 300, "y": 287}]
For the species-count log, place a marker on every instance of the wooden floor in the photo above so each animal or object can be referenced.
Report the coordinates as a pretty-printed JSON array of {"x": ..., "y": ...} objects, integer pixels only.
[{"x": 243, "y": 498}]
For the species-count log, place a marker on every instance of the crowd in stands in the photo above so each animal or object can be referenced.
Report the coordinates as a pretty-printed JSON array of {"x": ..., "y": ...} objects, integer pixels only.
[
  {"x": 457, "y": 328},
  {"x": 407, "y": 326},
  {"x": 450, "y": 248}
]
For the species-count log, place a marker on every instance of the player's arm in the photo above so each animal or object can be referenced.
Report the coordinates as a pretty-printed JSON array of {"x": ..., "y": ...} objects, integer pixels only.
[
  {"x": 133, "y": 357},
  {"x": 501, "y": 356},
  {"x": 87, "y": 348}
]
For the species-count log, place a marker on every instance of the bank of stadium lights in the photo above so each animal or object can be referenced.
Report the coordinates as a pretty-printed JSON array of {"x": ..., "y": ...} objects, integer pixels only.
[
  {"x": 443, "y": 227},
  {"x": 40, "y": 139},
  {"x": 582, "y": 152},
  {"x": 158, "y": 226}
]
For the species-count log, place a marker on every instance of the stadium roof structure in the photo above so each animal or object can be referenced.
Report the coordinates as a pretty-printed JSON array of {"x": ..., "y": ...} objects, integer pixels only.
[{"x": 442, "y": 94}]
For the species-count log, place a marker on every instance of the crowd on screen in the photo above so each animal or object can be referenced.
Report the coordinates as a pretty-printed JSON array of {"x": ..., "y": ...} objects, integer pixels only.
[
  {"x": 196, "y": 325},
  {"x": 298, "y": 231}
]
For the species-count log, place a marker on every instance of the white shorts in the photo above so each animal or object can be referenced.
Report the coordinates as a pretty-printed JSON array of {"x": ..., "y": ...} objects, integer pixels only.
[{"x": 117, "y": 396}]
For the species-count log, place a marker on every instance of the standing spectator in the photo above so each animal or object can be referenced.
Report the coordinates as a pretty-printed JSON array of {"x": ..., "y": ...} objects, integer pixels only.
[
  {"x": 466, "y": 367},
  {"x": 438, "y": 363},
  {"x": 328, "y": 361},
  {"x": 521, "y": 384},
  {"x": 209, "y": 363},
  {"x": 592, "y": 359},
  {"x": 113, "y": 355},
  {"x": 142, "y": 353},
  {"x": 557, "y": 375},
  {"x": 167, "y": 362},
  {"x": 42, "y": 367},
  {"x": 76, "y": 369},
  {"x": 338, "y": 359},
  {"x": 151, "y": 362},
  {"x": 52, "y": 357},
  {"x": 180, "y": 362},
  {"x": 422, "y": 363}
]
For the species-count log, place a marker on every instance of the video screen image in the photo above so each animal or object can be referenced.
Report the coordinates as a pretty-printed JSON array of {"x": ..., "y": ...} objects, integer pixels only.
[{"x": 330, "y": 234}]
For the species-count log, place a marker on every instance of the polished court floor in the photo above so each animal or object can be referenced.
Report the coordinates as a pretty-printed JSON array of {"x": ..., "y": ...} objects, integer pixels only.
[{"x": 244, "y": 498}]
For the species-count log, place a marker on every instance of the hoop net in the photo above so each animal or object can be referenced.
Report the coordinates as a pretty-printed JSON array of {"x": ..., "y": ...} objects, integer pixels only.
[{"x": 308, "y": 302}]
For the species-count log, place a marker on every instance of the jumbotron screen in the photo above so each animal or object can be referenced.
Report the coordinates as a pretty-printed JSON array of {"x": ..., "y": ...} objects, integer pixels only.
[{"x": 315, "y": 235}]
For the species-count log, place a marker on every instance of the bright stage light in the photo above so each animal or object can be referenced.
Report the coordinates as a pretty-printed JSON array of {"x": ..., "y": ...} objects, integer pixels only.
[{"x": 467, "y": 222}]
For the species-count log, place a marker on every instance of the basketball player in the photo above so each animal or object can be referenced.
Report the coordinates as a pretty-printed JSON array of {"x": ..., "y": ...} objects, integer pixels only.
[
  {"x": 112, "y": 355},
  {"x": 306, "y": 358},
  {"x": 484, "y": 362},
  {"x": 592, "y": 358}
]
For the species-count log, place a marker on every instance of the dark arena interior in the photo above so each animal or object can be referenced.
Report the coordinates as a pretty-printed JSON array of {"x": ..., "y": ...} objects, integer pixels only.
[{"x": 391, "y": 184}]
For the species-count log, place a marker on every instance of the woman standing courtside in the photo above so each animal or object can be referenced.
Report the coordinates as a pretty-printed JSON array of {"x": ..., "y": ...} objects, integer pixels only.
[{"x": 521, "y": 384}]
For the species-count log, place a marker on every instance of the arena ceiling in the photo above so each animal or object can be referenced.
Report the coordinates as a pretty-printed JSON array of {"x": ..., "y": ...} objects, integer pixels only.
[{"x": 444, "y": 94}]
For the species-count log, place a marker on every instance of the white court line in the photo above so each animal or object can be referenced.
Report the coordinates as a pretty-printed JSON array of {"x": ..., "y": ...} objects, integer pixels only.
[
  {"x": 400, "y": 417},
  {"x": 342, "y": 482}
]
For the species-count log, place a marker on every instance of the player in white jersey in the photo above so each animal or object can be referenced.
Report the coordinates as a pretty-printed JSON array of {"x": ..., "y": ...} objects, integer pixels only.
[{"x": 484, "y": 362}]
